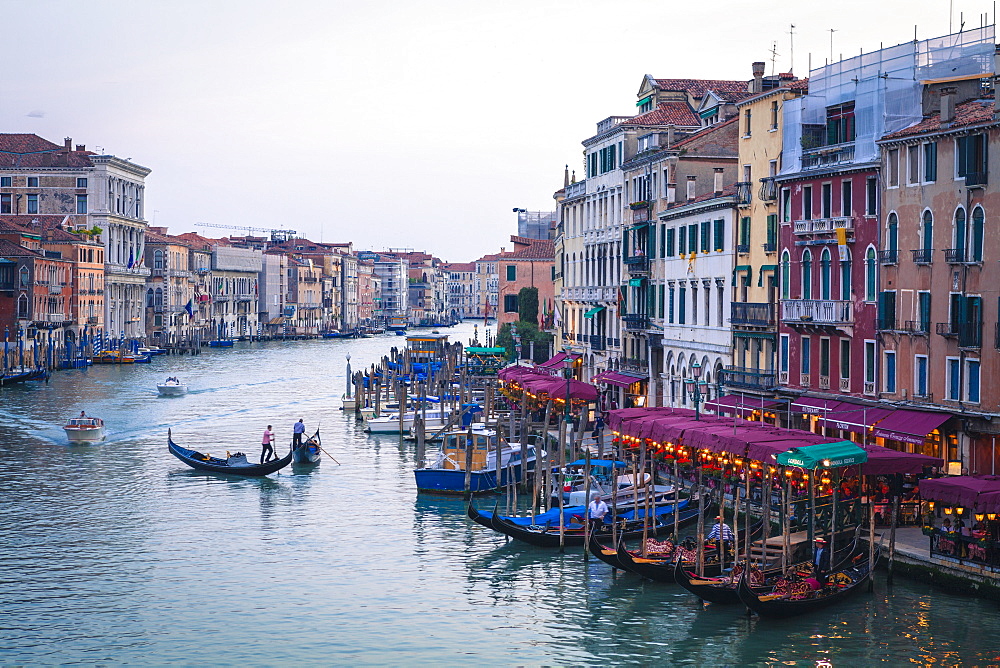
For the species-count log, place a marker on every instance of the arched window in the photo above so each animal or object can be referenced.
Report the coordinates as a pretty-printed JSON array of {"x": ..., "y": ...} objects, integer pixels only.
[
  {"x": 960, "y": 233},
  {"x": 23, "y": 276},
  {"x": 149, "y": 297},
  {"x": 158, "y": 299},
  {"x": 785, "y": 275},
  {"x": 978, "y": 220},
  {"x": 870, "y": 274},
  {"x": 157, "y": 259},
  {"x": 807, "y": 266},
  {"x": 892, "y": 236},
  {"x": 22, "y": 306},
  {"x": 824, "y": 274},
  {"x": 845, "y": 275},
  {"x": 927, "y": 235}
]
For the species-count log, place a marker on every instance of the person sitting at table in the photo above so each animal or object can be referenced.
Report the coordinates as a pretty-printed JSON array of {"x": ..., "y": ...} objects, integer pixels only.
[{"x": 946, "y": 525}]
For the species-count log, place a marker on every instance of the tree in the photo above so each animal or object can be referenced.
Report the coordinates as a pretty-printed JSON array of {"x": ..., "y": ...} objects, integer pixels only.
[
  {"x": 527, "y": 305},
  {"x": 528, "y": 331}
]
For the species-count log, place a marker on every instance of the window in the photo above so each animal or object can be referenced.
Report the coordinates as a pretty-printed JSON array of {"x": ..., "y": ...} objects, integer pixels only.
[
  {"x": 682, "y": 305},
  {"x": 512, "y": 272},
  {"x": 22, "y": 307},
  {"x": 826, "y": 195},
  {"x": 32, "y": 206},
  {"x": 845, "y": 359},
  {"x": 959, "y": 232},
  {"x": 840, "y": 123},
  {"x": 786, "y": 205},
  {"x": 785, "y": 275},
  {"x": 924, "y": 311},
  {"x": 890, "y": 371},
  {"x": 927, "y": 235},
  {"x": 32, "y": 182},
  {"x": 807, "y": 202},
  {"x": 663, "y": 241},
  {"x": 774, "y": 115},
  {"x": 892, "y": 167},
  {"x": 807, "y": 274},
  {"x": 705, "y": 237},
  {"x": 824, "y": 357},
  {"x": 510, "y": 303},
  {"x": 846, "y": 195},
  {"x": 670, "y": 304},
  {"x": 953, "y": 378},
  {"x": 660, "y": 301},
  {"x": 694, "y": 305},
  {"x": 23, "y": 276},
  {"x": 887, "y": 310},
  {"x": 744, "y": 235},
  {"x": 824, "y": 274},
  {"x": 972, "y": 381},
  {"x": 930, "y": 161},
  {"x": 892, "y": 235},
  {"x": 783, "y": 355},
  {"x": 869, "y": 362},
  {"x": 682, "y": 240},
  {"x": 871, "y": 197},
  {"x": 806, "y": 354},
  {"x": 157, "y": 259},
  {"x": 81, "y": 204},
  {"x": 5, "y": 203},
  {"x": 976, "y": 247},
  {"x": 920, "y": 375},
  {"x": 772, "y": 232},
  {"x": 913, "y": 164},
  {"x": 870, "y": 275},
  {"x": 720, "y": 235},
  {"x": 671, "y": 232},
  {"x": 5, "y": 182},
  {"x": 970, "y": 158},
  {"x": 692, "y": 238},
  {"x": 746, "y": 123}
]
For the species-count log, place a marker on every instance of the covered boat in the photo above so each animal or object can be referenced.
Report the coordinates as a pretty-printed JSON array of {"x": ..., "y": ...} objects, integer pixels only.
[
  {"x": 85, "y": 430},
  {"x": 233, "y": 464},
  {"x": 448, "y": 472}
]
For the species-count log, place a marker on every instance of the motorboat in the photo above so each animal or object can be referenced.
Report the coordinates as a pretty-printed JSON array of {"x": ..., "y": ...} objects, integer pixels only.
[
  {"x": 150, "y": 351},
  {"x": 85, "y": 430},
  {"x": 171, "y": 387},
  {"x": 448, "y": 472},
  {"x": 619, "y": 490},
  {"x": 434, "y": 418}
]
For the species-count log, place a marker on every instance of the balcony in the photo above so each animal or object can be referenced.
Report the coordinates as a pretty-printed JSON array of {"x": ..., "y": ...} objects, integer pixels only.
[
  {"x": 823, "y": 225},
  {"x": 888, "y": 256},
  {"x": 768, "y": 189},
  {"x": 975, "y": 179},
  {"x": 634, "y": 365},
  {"x": 869, "y": 387},
  {"x": 845, "y": 384},
  {"x": 598, "y": 342},
  {"x": 610, "y": 122},
  {"x": 92, "y": 320},
  {"x": 803, "y": 227},
  {"x": 245, "y": 297},
  {"x": 55, "y": 289},
  {"x": 828, "y": 156},
  {"x": 916, "y": 327},
  {"x": 824, "y": 382},
  {"x": 923, "y": 255},
  {"x": 886, "y": 322},
  {"x": 636, "y": 322},
  {"x": 122, "y": 270},
  {"x": 742, "y": 249},
  {"x": 770, "y": 247},
  {"x": 752, "y": 314},
  {"x": 954, "y": 255},
  {"x": 637, "y": 264},
  {"x": 804, "y": 379},
  {"x": 817, "y": 311},
  {"x": 743, "y": 193},
  {"x": 750, "y": 379},
  {"x": 578, "y": 189}
]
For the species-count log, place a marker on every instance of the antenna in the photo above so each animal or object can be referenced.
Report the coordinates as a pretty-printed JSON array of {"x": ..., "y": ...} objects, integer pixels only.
[
  {"x": 791, "y": 47},
  {"x": 774, "y": 55},
  {"x": 832, "y": 30}
]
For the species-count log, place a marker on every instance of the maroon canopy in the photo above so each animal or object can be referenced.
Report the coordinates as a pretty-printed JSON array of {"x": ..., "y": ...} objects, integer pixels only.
[
  {"x": 910, "y": 426},
  {"x": 556, "y": 388},
  {"x": 618, "y": 417},
  {"x": 517, "y": 372},
  {"x": 981, "y": 493},
  {"x": 671, "y": 430},
  {"x": 882, "y": 461}
]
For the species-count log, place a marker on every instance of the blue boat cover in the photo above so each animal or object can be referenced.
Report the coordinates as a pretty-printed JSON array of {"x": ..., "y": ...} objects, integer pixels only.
[
  {"x": 551, "y": 517},
  {"x": 598, "y": 462}
]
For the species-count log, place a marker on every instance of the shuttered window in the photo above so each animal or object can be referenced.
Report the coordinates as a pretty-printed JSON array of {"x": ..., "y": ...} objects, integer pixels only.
[{"x": 720, "y": 235}]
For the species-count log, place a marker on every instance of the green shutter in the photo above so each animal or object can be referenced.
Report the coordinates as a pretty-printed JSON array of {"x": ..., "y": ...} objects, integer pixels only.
[
  {"x": 652, "y": 241},
  {"x": 682, "y": 241},
  {"x": 720, "y": 235},
  {"x": 772, "y": 230},
  {"x": 704, "y": 236},
  {"x": 693, "y": 238},
  {"x": 511, "y": 272}
]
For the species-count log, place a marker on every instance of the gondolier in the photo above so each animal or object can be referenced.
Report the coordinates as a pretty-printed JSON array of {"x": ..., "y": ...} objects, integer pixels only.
[
  {"x": 596, "y": 511},
  {"x": 266, "y": 449},
  {"x": 298, "y": 429},
  {"x": 721, "y": 532},
  {"x": 821, "y": 560}
]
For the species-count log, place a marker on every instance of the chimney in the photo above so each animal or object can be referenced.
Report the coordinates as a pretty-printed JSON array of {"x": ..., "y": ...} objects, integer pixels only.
[
  {"x": 758, "y": 77},
  {"x": 670, "y": 135},
  {"x": 68, "y": 144},
  {"x": 718, "y": 181},
  {"x": 671, "y": 193},
  {"x": 948, "y": 94},
  {"x": 81, "y": 147},
  {"x": 566, "y": 177},
  {"x": 691, "y": 187}
]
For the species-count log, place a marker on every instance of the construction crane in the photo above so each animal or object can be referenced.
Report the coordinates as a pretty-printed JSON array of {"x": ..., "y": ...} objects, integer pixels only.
[{"x": 277, "y": 236}]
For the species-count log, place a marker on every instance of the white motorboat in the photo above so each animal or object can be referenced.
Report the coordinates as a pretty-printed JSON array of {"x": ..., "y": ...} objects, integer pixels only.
[
  {"x": 85, "y": 430},
  {"x": 171, "y": 387},
  {"x": 621, "y": 492},
  {"x": 434, "y": 418}
]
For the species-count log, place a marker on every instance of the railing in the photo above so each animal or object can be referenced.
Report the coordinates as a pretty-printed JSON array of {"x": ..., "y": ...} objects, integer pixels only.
[
  {"x": 975, "y": 179},
  {"x": 768, "y": 191},
  {"x": 598, "y": 342},
  {"x": 888, "y": 256},
  {"x": 751, "y": 379},
  {"x": 743, "y": 193},
  {"x": 845, "y": 384},
  {"x": 923, "y": 255},
  {"x": 916, "y": 326},
  {"x": 783, "y": 377},
  {"x": 637, "y": 264},
  {"x": 886, "y": 322},
  {"x": 802, "y": 227},
  {"x": 824, "y": 382},
  {"x": 770, "y": 247},
  {"x": 945, "y": 329},
  {"x": 245, "y": 297},
  {"x": 804, "y": 379},
  {"x": 821, "y": 311},
  {"x": 634, "y": 364},
  {"x": 742, "y": 249},
  {"x": 954, "y": 255},
  {"x": 92, "y": 320},
  {"x": 577, "y": 189},
  {"x": 926, "y": 397},
  {"x": 981, "y": 551},
  {"x": 130, "y": 271},
  {"x": 752, "y": 314},
  {"x": 826, "y": 156},
  {"x": 610, "y": 122},
  {"x": 823, "y": 225},
  {"x": 55, "y": 289},
  {"x": 635, "y": 322},
  {"x": 970, "y": 335},
  {"x": 869, "y": 387}
]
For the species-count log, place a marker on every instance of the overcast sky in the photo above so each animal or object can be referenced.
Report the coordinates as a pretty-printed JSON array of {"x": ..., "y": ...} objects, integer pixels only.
[{"x": 389, "y": 123}]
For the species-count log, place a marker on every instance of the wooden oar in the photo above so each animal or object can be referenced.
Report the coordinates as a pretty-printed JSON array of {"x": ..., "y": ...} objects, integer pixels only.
[{"x": 327, "y": 453}]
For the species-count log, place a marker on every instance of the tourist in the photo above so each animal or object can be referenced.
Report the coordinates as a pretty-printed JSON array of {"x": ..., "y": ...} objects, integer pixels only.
[
  {"x": 946, "y": 525},
  {"x": 596, "y": 511},
  {"x": 265, "y": 443},
  {"x": 298, "y": 429}
]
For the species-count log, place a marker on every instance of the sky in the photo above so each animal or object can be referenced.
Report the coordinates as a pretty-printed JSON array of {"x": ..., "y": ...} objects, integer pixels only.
[{"x": 390, "y": 123}]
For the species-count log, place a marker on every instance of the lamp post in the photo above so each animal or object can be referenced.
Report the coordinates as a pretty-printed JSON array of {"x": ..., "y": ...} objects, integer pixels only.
[
  {"x": 694, "y": 387},
  {"x": 568, "y": 374}
]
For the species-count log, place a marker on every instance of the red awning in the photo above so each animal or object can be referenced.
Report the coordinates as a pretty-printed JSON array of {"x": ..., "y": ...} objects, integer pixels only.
[
  {"x": 817, "y": 406},
  {"x": 558, "y": 359},
  {"x": 741, "y": 404},
  {"x": 856, "y": 420},
  {"x": 910, "y": 426},
  {"x": 618, "y": 379}
]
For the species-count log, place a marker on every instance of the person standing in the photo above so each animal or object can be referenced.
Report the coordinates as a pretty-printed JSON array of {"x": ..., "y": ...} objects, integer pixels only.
[
  {"x": 265, "y": 444},
  {"x": 721, "y": 532},
  {"x": 821, "y": 560},
  {"x": 298, "y": 429},
  {"x": 596, "y": 512}
]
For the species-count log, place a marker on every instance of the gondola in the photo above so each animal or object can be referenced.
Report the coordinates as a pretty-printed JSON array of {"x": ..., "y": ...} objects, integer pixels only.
[
  {"x": 789, "y": 598},
  {"x": 724, "y": 589},
  {"x": 661, "y": 569},
  {"x": 234, "y": 465},
  {"x": 544, "y": 532},
  {"x": 309, "y": 452},
  {"x": 611, "y": 555}
]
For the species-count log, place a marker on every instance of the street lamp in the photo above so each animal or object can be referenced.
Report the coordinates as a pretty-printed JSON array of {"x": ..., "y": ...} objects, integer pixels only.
[
  {"x": 568, "y": 374},
  {"x": 694, "y": 387}
]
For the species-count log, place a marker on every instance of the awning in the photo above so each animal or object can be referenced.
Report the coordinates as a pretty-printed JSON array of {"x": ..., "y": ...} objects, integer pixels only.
[
  {"x": 557, "y": 359},
  {"x": 592, "y": 312},
  {"x": 980, "y": 493},
  {"x": 763, "y": 268},
  {"x": 599, "y": 462},
  {"x": 618, "y": 379},
  {"x": 857, "y": 420},
  {"x": 754, "y": 335},
  {"x": 817, "y": 406},
  {"x": 276, "y": 321},
  {"x": 827, "y": 456},
  {"x": 910, "y": 426},
  {"x": 644, "y": 100},
  {"x": 635, "y": 282},
  {"x": 741, "y": 404},
  {"x": 742, "y": 267}
]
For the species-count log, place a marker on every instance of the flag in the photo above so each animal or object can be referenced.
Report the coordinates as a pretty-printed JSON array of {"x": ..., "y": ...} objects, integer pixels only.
[
  {"x": 556, "y": 318},
  {"x": 189, "y": 307},
  {"x": 131, "y": 259}
]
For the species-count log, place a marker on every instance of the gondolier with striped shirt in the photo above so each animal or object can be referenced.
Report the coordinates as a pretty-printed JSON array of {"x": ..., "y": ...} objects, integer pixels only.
[{"x": 721, "y": 532}]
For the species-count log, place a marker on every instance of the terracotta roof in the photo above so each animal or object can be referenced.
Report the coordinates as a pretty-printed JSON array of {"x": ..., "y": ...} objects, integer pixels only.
[
  {"x": 34, "y": 221},
  {"x": 799, "y": 84},
  {"x": 460, "y": 266},
  {"x": 698, "y": 87},
  {"x": 11, "y": 249},
  {"x": 704, "y": 132},
  {"x": 668, "y": 113},
  {"x": 727, "y": 191},
  {"x": 972, "y": 112},
  {"x": 30, "y": 150},
  {"x": 58, "y": 235},
  {"x": 540, "y": 249},
  {"x": 488, "y": 258},
  {"x": 157, "y": 238},
  {"x": 195, "y": 240},
  {"x": 25, "y": 143},
  {"x": 8, "y": 225}
]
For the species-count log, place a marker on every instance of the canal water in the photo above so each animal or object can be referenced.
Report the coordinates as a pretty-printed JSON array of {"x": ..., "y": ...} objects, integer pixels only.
[{"x": 118, "y": 553}]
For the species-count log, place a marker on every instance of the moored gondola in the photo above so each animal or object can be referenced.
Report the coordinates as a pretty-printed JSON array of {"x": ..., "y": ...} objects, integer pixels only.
[
  {"x": 615, "y": 557},
  {"x": 660, "y": 567},
  {"x": 789, "y": 597},
  {"x": 233, "y": 465}
]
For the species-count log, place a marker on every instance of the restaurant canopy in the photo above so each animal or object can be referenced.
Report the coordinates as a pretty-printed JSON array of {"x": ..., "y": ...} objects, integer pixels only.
[
  {"x": 857, "y": 419},
  {"x": 741, "y": 404},
  {"x": 558, "y": 359},
  {"x": 516, "y": 372},
  {"x": 910, "y": 426},
  {"x": 558, "y": 388},
  {"x": 618, "y": 379},
  {"x": 980, "y": 493},
  {"x": 883, "y": 461},
  {"x": 824, "y": 455}
]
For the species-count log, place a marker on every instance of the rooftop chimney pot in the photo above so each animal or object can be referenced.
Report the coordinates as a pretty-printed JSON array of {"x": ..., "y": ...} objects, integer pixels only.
[
  {"x": 758, "y": 77},
  {"x": 948, "y": 94},
  {"x": 81, "y": 147},
  {"x": 718, "y": 180},
  {"x": 68, "y": 143},
  {"x": 691, "y": 187}
]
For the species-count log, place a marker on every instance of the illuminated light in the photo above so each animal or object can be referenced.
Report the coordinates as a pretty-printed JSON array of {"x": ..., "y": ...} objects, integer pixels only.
[
  {"x": 991, "y": 516},
  {"x": 826, "y": 462},
  {"x": 947, "y": 511},
  {"x": 959, "y": 510},
  {"x": 930, "y": 505},
  {"x": 979, "y": 517}
]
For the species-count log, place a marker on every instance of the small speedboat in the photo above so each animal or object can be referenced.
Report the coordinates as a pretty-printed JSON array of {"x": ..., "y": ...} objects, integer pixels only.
[
  {"x": 171, "y": 387},
  {"x": 85, "y": 430},
  {"x": 221, "y": 343},
  {"x": 150, "y": 351}
]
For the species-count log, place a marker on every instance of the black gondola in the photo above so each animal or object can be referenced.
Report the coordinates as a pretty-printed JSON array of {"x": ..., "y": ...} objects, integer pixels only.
[
  {"x": 234, "y": 465},
  {"x": 612, "y": 557},
  {"x": 309, "y": 452},
  {"x": 724, "y": 589},
  {"x": 789, "y": 598}
]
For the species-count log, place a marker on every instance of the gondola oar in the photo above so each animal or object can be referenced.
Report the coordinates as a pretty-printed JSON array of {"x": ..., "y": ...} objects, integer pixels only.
[
  {"x": 316, "y": 441},
  {"x": 327, "y": 454}
]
